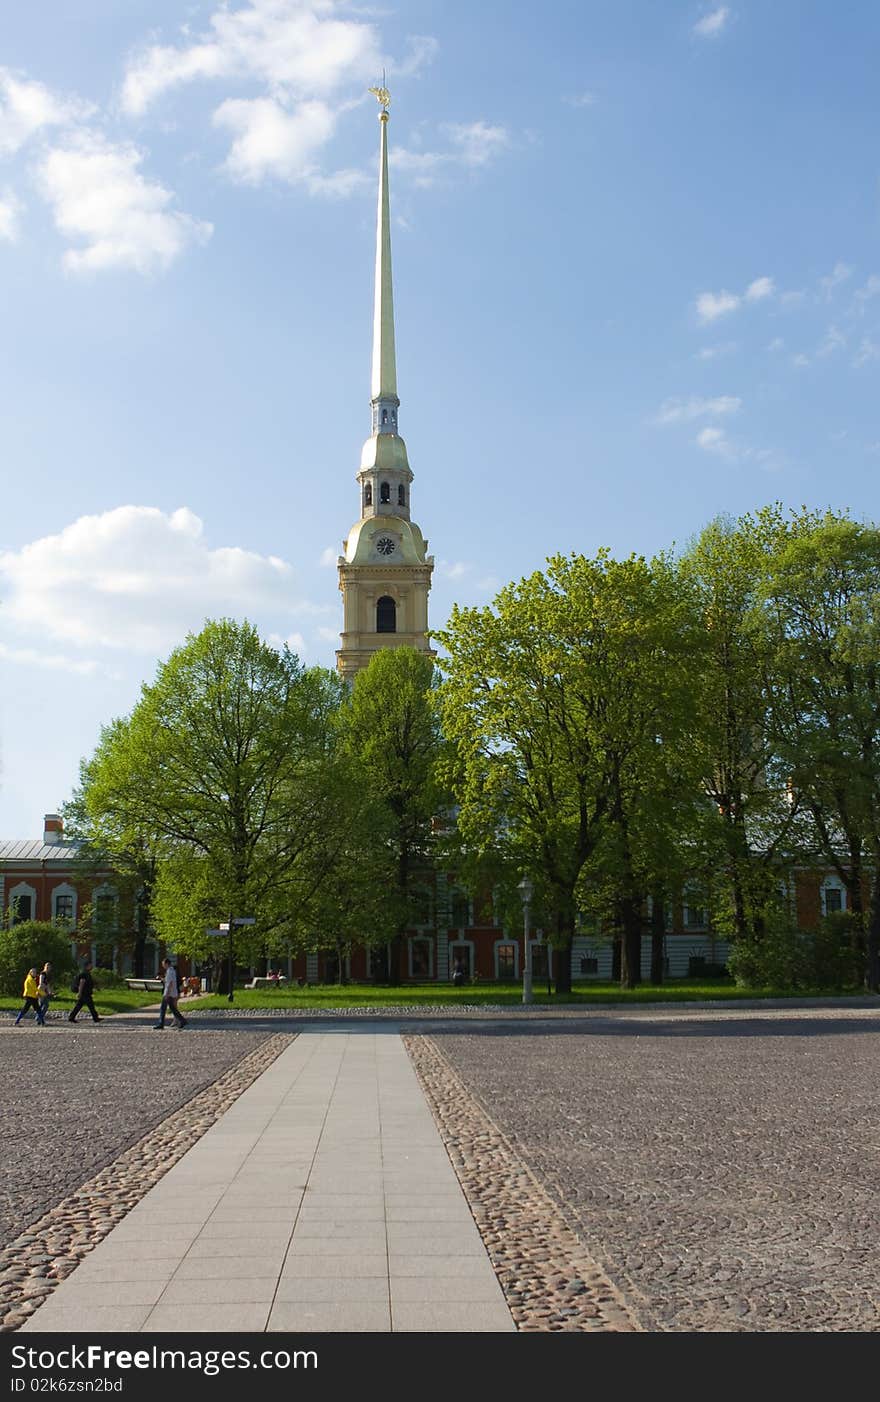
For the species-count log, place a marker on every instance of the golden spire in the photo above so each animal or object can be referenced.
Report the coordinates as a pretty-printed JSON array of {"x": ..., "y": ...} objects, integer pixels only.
[{"x": 384, "y": 383}]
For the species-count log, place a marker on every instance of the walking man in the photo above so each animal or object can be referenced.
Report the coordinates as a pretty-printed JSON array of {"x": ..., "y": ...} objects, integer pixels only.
[
  {"x": 170, "y": 994},
  {"x": 30, "y": 995},
  {"x": 85, "y": 988}
]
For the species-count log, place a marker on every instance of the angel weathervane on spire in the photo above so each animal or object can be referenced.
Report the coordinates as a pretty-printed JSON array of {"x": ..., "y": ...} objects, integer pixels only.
[{"x": 382, "y": 94}]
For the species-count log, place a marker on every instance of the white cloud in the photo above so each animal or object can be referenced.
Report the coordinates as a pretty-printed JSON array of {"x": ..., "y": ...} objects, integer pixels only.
[
  {"x": 715, "y": 440},
  {"x": 271, "y": 141},
  {"x": 301, "y": 46},
  {"x": 329, "y": 556},
  {"x": 137, "y": 578},
  {"x": 839, "y": 273},
  {"x": 776, "y": 344},
  {"x": 713, "y": 352},
  {"x": 10, "y": 210},
  {"x": 98, "y": 196},
  {"x": 51, "y": 661},
  {"x": 453, "y": 569},
  {"x": 759, "y": 289},
  {"x": 478, "y": 143},
  {"x": 868, "y": 350},
  {"x": 674, "y": 411},
  {"x": 28, "y": 107},
  {"x": 582, "y": 99},
  {"x": 834, "y": 340},
  {"x": 474, "y": 144},
  {"x": 712, "y": 305},
  {"x": 800, "y": 360},
  {"x": 712, "y": 24},
  {"x": 423, "y": 49},
  {"x": 295, "y": 641},
  {"x": 328, "y": 635},
  {"x": 864, "y": 294}
]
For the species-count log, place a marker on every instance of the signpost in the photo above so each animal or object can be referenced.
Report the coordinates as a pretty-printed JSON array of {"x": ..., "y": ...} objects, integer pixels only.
[{"x": 227, "y": 927}]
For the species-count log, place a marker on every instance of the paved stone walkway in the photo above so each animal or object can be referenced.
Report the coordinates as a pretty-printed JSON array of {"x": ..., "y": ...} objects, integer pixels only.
[{"x": 323, "y": 1200}]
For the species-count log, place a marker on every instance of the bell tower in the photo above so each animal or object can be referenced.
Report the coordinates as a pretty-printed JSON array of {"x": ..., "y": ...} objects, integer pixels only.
[{"x": 385, "y": 571}]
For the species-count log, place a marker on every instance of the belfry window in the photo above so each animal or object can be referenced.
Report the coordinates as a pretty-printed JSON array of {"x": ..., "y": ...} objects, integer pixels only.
[
  {"x": 401, "y": 496},
  {"x": 368, "y": 494},
  {"x": 384, "y": 492},
  {"x": 386, "y": 615}
]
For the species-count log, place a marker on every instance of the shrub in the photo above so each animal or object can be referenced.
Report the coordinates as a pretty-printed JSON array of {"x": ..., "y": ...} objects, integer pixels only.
[
  {"x": 780, "y": 958},
  {"x": 830, "y": 957},
  {"x": 106, "y": 978},
  {"x": 30, "y": 945},
  {"x": 838, "y": 951}
]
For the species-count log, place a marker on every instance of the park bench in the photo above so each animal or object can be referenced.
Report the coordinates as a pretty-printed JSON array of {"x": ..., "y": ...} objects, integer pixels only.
[
  {"x": 262, "y": 981},
  {"x": 149, "y": 985}
]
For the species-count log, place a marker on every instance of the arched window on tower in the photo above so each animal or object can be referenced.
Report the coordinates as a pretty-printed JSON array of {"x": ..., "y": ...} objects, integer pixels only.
[
  {"x": 384, "y": 492},
  {"x": 384, "y": 416},
  {"x": 401, "y": 496},
  {"x": 386, "y": 615},
  {"x": 368, "y": 494}
]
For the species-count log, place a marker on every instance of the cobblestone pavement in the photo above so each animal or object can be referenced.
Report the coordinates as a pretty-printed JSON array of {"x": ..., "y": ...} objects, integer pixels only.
[
  {"x": 72, "y": 1099},
  {"x": 722, "y": 1170}
]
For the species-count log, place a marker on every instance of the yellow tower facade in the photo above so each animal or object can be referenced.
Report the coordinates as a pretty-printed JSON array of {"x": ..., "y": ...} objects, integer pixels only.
[{"x": 385, "y": 570}]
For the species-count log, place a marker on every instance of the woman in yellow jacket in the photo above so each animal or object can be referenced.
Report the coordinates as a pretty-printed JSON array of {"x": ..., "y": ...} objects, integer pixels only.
[{"x": 29, "y": 993}]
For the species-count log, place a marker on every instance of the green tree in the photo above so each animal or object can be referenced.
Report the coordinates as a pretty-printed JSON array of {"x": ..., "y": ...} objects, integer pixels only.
[
  {"x": 821, "y": 595},
  {"x": 565, "y": 701},
  {"x": 30, "y": 944},
  {"x": 110, "y": 841},
  {"x": 226, "y": 762},
  {"x": 391, "y": 731},
  {"x": 750, "y": 826}
]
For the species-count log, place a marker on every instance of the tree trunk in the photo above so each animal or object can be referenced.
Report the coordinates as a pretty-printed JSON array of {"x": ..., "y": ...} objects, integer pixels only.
[
  {"x": 616, "y": 958},
  {"x": 563, "y": 943},
  {"x": 872, "y": 963},
  {"x": 658, "y": 935},
  {"x": 631, "y": 925}
]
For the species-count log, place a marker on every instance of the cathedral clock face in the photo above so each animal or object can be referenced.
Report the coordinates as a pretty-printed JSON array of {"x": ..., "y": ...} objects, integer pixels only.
[{"x": 385, "y": 545}]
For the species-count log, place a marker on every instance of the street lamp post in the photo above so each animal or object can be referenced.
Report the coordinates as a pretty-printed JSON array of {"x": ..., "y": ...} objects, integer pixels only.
[
  {"x": 227, "y": 927},
  {"x": 525, "y": 889}
]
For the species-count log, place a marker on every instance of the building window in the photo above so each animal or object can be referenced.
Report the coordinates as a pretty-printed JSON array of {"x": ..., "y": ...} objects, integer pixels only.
[
  {"x": 384, "y": 493},
  {"x": 505, "y": 961},
  {"x": 379, "y": 963},
  {"x": 420, "y": 958},
  {"x": 589, "y": 965},
  {"x": 833, "y": 895},
  {"x": 384, "y": 416},
  {"x": 401, "y": 496},
  {"x": 459, "y": 911},
  {"x": 23, "y": 903},
  {"x": 368, "y": 494},
  {"x": 421, "y": 906},
  {"x": 462, "y": 952},
  {"x": 386, "y": 615},
  {"x": 694, "y": 913},
  {"x": 64, "y": 905}
]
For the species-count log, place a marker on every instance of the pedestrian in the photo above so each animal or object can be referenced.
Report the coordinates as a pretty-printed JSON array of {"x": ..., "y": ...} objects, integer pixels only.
[
  {"x": 30, "y": 993},
  {"x": 45, "y": 988},
  {"x": 85, "y": 988},
  {"x": 170, "y": 994},
  {"x": 458, "y": 974}
]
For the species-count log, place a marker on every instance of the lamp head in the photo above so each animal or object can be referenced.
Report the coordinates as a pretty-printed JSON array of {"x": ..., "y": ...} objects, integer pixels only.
[{"x": 525, "y": 889}]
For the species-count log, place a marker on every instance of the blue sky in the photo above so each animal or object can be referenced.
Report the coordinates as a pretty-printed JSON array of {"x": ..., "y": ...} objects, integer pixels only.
[{"x": 637, "y": 283}]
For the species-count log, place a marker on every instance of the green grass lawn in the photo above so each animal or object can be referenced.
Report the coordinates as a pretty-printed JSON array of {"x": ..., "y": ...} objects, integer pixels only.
[
  {"x": 359, "y": 995},
  {"x": 108, "y": 1000}
]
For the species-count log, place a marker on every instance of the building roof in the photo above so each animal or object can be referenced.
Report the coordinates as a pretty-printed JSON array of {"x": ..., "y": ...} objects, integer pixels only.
[{"x": 16, "y": 850}]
